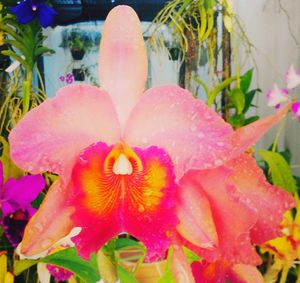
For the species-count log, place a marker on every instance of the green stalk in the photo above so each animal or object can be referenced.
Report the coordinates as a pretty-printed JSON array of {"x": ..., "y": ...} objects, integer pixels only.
[
  {"x": 26, "y": 92},
  {"x": 282, "y": 124}
]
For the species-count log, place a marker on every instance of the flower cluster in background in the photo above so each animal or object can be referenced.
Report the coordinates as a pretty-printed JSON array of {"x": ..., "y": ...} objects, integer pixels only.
[
  {"x": 68, "y": 78},
  {"x": 276, "y": 96}
]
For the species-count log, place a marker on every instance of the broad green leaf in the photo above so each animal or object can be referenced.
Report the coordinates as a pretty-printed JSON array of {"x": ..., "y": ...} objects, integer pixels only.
[
  {"x": 246, "y": 81},
  {"x": 237, "y": 98},
  {"x": 22, "y": 265},
  {"x": 68, "y": 259},
  {"x": 281, "y": 173},
  {"x": 125, "y": 276}
]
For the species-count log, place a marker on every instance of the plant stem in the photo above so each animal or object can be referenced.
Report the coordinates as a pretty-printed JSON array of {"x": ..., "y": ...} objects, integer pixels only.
[
  {"x": 282, "y": 124},
  {"x": 26, "y": 92}
]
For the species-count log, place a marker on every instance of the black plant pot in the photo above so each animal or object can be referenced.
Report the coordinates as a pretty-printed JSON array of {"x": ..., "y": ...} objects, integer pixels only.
[
  {"x": 77, "y": 54},
  {"x": 174, "y": 53},
  {"x": 4, "y": 60},
  {"x": 78, "y": 75}
]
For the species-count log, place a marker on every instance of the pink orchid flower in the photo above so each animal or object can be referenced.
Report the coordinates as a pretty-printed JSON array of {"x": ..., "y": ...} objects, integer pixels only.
[
  {"x": 161, "y": 166},
  {"x": 292, "y": 77},
  {"x": 276, "y": 96},
  {"x": 296, "y": 110}
]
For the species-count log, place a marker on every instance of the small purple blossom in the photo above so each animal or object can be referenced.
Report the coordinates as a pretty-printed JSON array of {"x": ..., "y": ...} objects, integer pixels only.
[
  {"x": 15, "y": 202},
  {"x": 68, "y": 78},
  {"x": 292, "y": 77},
  {"x": 296, "y": 110},
  {"x": 276, "y": 96},
  {"x": 27, "y": 10}
]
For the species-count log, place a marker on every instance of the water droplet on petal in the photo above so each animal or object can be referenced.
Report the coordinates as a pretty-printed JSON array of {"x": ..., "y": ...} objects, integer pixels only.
[{"x": 193, "y": 128}]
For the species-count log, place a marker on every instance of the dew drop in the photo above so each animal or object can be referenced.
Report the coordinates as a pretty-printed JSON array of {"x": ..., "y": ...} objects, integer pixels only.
[
  {"x": 200, "y": 135},
  {"x": 218, "y": 162},
  {"x": 193, "y": 128},
  {"x": 220, "y": 144}
]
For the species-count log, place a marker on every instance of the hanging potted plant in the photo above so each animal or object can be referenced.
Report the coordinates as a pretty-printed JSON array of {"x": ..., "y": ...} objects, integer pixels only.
[{"x": 79, "y": 42}]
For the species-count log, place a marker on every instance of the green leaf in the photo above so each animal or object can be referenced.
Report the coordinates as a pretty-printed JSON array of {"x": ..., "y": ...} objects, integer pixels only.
[
  {"x": 125, "y": 276},
  {"x": 236, "y": 121},
  {"x": 246, "y": 81},
  {"x": 68, "y": 259},
  {"x": 9, "y": 168},
  {"x": 167, "y": 277},
  {"x": 250, "y": 120},
  {"x": 281, "y": 173},
  {"x": 219, "y": 88},
  {"x": 249, "y": 98},
  {"x": 237, "y": 98},
  {"x": 22, "y": 265},
  {"x": 191, "y": 256},
  {"x": 42, "y": 50},
  {"x": 122, "y": 243}
]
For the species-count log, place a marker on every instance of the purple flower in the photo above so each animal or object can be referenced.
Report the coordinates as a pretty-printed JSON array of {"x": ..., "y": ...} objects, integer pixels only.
[
  {"x": 27, "y": 10},
  {"x": 292, "y": 77},
  {"x": 15, "y": 202},
  {"x": 69, "y": 78},
  {"x": 59, "y": 273},
  {"x": 296, "y": 110},
  {"x": 276, "y": 96},
  {"x": 62, "y": 78}
]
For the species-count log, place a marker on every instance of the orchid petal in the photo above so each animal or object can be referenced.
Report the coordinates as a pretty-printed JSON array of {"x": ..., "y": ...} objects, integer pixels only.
[
  {"x": 267, "y": 202},
  {"x": 233, "y": 232},
  {"x": 123, "y": 59},
  {"x": 247, "y": 273},
  {"x": 296, "y": 110},
  {"x": 192, "y": 134},
  {"x": 51, "y": 222},
  {"x": 45, "y": 15},
  {"x": 292, "y": 77},
  {"x": 23, "y": 11},
  {"x": 195, "y": 216},
  {"x": 222, "y": 271},
  {"x": 139, "y": 201},
  {"x": 51, "y": 136},
  {"x": 245, "y": 137},
  {"x": 180, "y": 266},
  {"x": 276, "y": 96}
]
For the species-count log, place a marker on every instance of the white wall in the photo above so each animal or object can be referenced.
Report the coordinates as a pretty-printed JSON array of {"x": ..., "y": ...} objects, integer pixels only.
[{"x": 267, "y": 27}]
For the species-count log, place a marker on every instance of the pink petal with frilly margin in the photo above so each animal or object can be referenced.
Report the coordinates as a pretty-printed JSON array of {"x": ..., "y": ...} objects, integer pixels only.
[
  {"x": 233, "y": 219},
  {"x": 51, "y": 136},
  {"x": 267, "y": 202}
]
